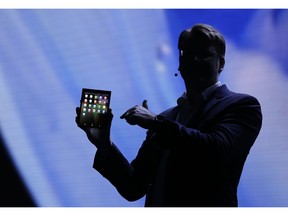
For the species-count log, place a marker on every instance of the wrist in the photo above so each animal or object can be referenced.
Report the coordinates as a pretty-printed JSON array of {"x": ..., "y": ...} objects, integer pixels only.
[
  {"x": 158, "y": 121},
  {"x": 104, "y": 145}
]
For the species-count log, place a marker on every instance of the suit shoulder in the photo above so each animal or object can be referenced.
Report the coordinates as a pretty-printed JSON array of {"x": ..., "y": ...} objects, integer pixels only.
[
  {"x": 240, "y": 97},
  {"x": 243, "y": 97},
  {"x": 168, "y": 111}
]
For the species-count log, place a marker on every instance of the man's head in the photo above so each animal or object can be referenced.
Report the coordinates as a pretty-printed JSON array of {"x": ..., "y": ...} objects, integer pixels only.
[{"x": 201, "y": 54}]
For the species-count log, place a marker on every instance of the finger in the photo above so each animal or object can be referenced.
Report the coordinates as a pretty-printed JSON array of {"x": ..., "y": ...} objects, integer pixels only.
[
  {"x": 123, "y": 115},
  {"x": 108, "y": 120},
  {"x": 78, "y": 124},
  {"x": 127, "y": 113},
  {"x": 110, "y": 110},
  {"x": 77, "y": 111},
  {"x": 77, "y": 119},
  {"x": 110, "y": 115},
  {"x": 144, "y": 104},
  {"x": 77, "y": 115}
]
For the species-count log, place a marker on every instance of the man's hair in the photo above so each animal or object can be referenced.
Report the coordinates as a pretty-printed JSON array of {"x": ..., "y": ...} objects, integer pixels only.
[{"x": 207, "y": 31}]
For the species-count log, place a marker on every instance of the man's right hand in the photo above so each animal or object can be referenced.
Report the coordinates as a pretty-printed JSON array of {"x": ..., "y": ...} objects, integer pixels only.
[{"x": 98, "y": 137}]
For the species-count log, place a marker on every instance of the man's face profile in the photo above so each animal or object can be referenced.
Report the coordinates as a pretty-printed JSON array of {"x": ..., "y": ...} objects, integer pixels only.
[{"x": 198, "y": 59}]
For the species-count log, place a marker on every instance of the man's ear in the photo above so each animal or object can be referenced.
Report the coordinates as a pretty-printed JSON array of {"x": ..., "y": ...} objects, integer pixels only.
[{"x": 222, "y": 64}]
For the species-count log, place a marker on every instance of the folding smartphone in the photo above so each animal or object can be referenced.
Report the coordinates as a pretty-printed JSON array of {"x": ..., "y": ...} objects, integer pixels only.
[{"x": 94, "y": 106}]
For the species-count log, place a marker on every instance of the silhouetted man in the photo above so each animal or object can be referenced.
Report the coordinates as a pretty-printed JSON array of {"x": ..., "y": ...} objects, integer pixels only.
[{"x": 194, "y": 153}]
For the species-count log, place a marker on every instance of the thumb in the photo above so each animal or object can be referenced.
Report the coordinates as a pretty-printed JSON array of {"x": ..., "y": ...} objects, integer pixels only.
[{"x": 144, "y": 104}]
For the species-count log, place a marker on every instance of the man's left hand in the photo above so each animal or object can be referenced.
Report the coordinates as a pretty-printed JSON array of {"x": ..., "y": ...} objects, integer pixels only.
[{"x": 140, "y": 115}]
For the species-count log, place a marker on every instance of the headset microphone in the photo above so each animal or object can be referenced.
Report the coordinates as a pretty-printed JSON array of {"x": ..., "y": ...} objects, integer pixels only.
[{"x": 176, "y": 74}]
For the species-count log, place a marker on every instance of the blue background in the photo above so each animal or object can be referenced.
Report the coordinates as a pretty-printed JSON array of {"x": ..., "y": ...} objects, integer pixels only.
[{"x": 48, "y": 56}]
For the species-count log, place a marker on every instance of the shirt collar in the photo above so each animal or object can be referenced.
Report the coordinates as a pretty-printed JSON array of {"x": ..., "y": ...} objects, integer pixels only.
[{"x": 205, "y": 94}]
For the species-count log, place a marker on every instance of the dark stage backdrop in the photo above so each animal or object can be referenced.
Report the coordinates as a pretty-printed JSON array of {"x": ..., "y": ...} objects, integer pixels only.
[{"x": 48, "y": 56}]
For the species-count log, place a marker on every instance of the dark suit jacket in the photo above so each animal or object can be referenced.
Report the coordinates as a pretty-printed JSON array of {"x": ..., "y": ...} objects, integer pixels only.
[{"x": 206, "y": 157}]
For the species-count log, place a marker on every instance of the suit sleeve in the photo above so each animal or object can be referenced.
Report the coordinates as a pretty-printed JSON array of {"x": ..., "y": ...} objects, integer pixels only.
[
  {"x": 232, "y": 130},
  {"x": 130, "y": 179}
]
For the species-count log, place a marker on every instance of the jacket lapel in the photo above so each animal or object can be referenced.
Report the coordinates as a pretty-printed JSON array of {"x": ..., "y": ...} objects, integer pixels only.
[
  {"x": 206, "y": 111},
  {"x": 209, "y": 107},
  {"x": 215, "y": 98}
]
